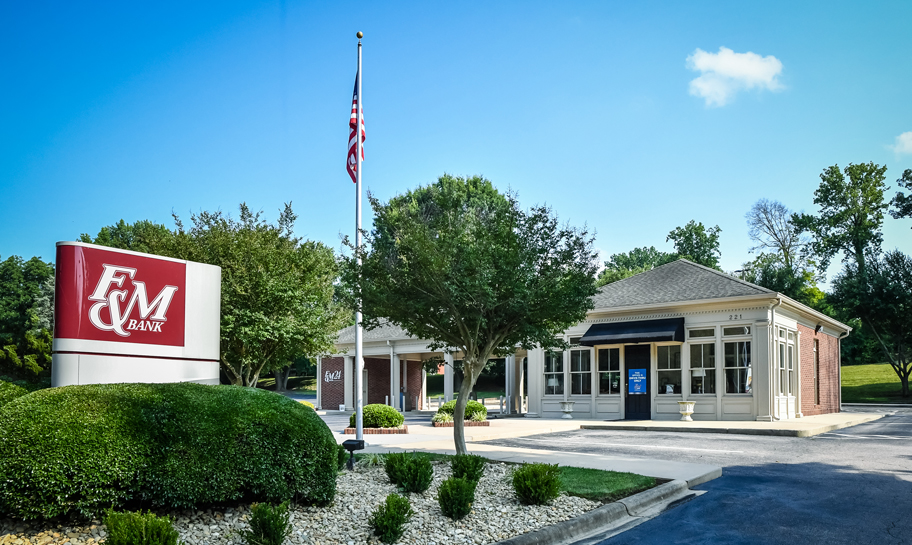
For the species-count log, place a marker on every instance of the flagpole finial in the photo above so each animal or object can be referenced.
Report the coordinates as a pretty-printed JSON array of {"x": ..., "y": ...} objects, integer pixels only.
[{"x": 360, "y": 34}]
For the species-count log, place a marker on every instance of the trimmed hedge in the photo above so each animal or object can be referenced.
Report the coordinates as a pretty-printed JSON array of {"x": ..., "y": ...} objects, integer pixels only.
[
  {"x": 81, "y": 449},
  {"x": 472, "y": 408},
  {"x": 379, "y": 416},
  {"x": 10, "y": 391}
]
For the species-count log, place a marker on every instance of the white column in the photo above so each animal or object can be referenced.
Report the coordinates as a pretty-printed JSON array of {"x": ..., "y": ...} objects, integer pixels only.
[
  {"x": 404, "y": 365},
  {"x": 448, "y": 377},
  {"x": 424, "y": 397},
  {"x": 319, "y": 404},
  {"x": 394, "y": 375},
  {"x": 348, "y": 383}
]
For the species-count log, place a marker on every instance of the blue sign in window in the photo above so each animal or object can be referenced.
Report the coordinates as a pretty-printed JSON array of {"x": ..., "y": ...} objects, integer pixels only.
[{"x": 636, "y": 381}]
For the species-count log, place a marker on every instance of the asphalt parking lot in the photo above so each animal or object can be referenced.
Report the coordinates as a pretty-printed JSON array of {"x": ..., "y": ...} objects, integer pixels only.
[{"x": 851, "y": 486}]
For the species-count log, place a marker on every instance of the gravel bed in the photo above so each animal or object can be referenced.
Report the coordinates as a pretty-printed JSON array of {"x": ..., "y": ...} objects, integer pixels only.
[{"x": 496, "y": 515}]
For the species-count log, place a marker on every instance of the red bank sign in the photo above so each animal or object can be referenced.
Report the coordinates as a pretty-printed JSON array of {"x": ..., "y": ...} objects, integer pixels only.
[{"x": 112, "y": 296}]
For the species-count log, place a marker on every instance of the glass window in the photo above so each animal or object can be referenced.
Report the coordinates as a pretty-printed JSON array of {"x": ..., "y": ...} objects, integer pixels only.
[
  {"x": 783, "y": 378},
  {"x": 609, "y": 369},
  {"x": 703, "y": 368},
  {"x": 791, "y": 368},
  {"x": 669, "y": 369},
  {"x": 554, "y": 373},
  {"x": 580, "y": 372},
  {"x": 738, "y": 367},
  {"x": 791, "y": 336},
  {"x": 740, "y": 330},
  {"x": 698, "y": 333}
]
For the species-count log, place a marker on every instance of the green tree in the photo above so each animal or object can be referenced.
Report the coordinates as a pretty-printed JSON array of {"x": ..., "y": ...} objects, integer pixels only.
[
  {"x": 902, "y": 203},
  {"x": 277, "y": 289},
  {"x": 882, "y": 299},
  {"x": 851, "y": 214},
  {"x": 621, "y": 266},
  {"x": 462, "y": 265},
  {"x": 26, "y": 320},
  {"x": 142, "y": 236},
  {"x": 697, "y": 243},
  {"x": 769, "y": 271},
  {"x": 277, "y": 298}
]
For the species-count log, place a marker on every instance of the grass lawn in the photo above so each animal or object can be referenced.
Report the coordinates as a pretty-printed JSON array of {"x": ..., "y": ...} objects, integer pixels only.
[
  {"x": 872, "y": 383},
  {"x": 592, "y": 484},
  {"x": 303, "y": 385}
]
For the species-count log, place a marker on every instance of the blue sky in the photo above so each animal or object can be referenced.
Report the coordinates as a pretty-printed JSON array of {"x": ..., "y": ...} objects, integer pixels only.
[{"x": 135, "y": 110}]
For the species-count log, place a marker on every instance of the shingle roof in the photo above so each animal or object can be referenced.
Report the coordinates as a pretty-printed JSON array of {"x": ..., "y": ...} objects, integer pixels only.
[{"x": 680, "y": 280}]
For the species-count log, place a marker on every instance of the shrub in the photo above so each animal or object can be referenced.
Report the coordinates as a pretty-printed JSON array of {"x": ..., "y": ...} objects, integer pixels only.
[
  {"x": 442, "y": 417},
  {"x": 456, "y": 496},
  {"x": 139, "y": 529},
  {"x": 269, "y": 525},
  {"x": 10, "y": 391},
  {"x": 479, "y": 416},
  {"x": 307, "y": 404},
  {"x": 412, "y": 472},
  {"x": 342, "y": 456},
  {"x": 372, "y": 459},
  {"x": 84, "y": 448},
  {"x": 394, "y": 464},
  {"x": 537, "y": 484},
  {"x": 468, "y": 466},
  {"x": 378, "y": 416},
  {"x": 388, "y": 520},
  {"x": 472, "y": 407},
  {"x": 417, "y": 474}
]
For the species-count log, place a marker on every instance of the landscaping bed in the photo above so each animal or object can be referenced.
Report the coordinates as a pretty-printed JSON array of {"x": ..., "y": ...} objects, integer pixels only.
[
  {"x": 496, "y": 513},
  {"x": 467, "y": 424}
]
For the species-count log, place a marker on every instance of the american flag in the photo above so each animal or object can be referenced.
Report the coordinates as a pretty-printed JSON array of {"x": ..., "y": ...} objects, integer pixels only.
[{"x": 352, "y": 136}]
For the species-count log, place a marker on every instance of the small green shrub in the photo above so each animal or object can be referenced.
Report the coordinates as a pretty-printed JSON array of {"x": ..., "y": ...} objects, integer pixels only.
[
  {"x": 472, "y": 407},
  {"x": 417, "y": 474},
  {"x": 456, "y": 497},
  {"x": 10, "y": 391},
  {"x": 537, "y": 484},
  {"x": 342, "y": 457},
  {"x": 410, "y": 471},
  {"x": 388, "y": 519},
  {"x": 139, "y": 529},
  {"x": 82, "y": 449},
  {"x": 443, "y": 418},
  {"x": 468, "y": 466},
  {"x": 478, "y": 417},
  {"x": 269, "y": 525},
  {"x": 378, "y": 416},
  {"x": 394, "y": 465}
]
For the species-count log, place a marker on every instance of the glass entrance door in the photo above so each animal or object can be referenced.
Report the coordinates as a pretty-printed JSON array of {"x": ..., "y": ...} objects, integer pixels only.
[{"x": 638, "y": 381}]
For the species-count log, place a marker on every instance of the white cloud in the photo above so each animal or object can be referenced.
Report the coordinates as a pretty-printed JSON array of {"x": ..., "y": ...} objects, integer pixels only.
[
  {"x": 725, "y": 73},
  {"x": 903, "y": 144}
]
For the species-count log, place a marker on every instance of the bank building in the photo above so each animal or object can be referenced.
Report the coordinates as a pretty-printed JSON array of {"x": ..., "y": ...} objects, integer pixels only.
[{"x": 679, "y": 332}]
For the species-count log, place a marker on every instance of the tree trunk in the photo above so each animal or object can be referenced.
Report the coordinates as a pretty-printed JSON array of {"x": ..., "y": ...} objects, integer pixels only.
[
  {"x": 281, "y": 378},
  {"x": 468, "y": 380}
]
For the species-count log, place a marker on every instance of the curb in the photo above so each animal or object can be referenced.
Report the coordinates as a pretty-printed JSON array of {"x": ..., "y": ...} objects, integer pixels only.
[
  {"x": 879, "y": 405},
  {"x": 600, "y": 517}
]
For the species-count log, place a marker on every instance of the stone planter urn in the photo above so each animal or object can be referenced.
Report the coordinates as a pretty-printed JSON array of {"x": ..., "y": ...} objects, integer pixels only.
[
  {"x": 687, "y": 409},
  {"x": 567, "y": 407}
]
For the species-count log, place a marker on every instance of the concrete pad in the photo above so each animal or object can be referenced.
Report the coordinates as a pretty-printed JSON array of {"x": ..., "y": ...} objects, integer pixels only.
[{"x": 799, "y": 427}]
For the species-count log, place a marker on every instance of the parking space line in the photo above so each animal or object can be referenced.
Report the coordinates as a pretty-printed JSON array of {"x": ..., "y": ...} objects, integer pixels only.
[{"x": 556, "y": 442}]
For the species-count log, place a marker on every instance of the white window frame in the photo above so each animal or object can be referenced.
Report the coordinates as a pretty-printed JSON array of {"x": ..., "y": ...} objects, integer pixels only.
[
  {"x": 748, "y": 338},
  {"x": 620, "y": 371},
  {"x": 680, "y": 368}
]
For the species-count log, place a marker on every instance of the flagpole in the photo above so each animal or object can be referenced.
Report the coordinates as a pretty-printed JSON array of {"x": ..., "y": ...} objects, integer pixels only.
[{"x": 359, "y": 359}]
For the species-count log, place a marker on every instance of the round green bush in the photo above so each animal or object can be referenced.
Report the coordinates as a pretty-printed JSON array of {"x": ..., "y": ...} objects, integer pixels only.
[
  {"x": 472, "y": 408},
  {"x": 378, "y": 416},
  {"x": 10, "y": 391},
  {"x": 82, "y": 449}
]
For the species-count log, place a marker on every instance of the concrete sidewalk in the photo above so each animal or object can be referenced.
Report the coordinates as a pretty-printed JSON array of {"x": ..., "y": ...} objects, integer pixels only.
[{"x": 799, "y": 427}]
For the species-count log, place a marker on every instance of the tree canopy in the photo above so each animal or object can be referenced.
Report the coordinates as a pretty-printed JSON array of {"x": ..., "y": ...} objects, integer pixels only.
[
  {"x": 277, "y": 289},
  {"x": 624, "y": 265},
  {"x": 26, "y": 317},
  {"x": 697, "y": 243},
  {"x": 770, "y": 227},
  {"x": 851, "y": 214},
  {"x": 902, "y": 203},
  {"x": 462, "y": 265}
]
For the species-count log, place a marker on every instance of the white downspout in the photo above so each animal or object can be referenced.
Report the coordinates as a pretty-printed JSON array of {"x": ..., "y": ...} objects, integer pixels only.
[{"x": 839, "y": 365}]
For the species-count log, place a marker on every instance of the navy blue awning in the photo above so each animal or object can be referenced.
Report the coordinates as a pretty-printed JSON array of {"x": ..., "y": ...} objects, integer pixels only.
[{"x": 643, "y": 331}]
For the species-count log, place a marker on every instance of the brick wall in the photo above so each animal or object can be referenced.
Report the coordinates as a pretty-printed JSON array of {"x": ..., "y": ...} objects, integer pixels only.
[
  {"x": 333, "y": 392},
  {"x": 829, "y": 372},
  {"x": 378, "y": 380}
]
